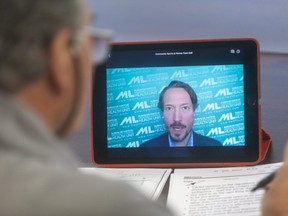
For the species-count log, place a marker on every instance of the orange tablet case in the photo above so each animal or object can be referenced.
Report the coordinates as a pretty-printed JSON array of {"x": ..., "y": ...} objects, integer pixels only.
[{"x": 264, "y": 137}]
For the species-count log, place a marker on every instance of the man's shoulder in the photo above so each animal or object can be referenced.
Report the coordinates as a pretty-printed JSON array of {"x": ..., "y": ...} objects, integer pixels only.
[
  {"x": 200, "y": 140},
  {"x": 55, "y": 185},
  {"x": 159, "y": 141}
]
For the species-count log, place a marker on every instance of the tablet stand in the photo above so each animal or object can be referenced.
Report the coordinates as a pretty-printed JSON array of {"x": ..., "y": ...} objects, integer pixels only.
[{"x": 265, "y": 144}]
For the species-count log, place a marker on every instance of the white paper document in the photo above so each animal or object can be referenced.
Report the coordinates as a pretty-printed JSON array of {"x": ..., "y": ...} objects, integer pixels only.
[
  {"x": 217, "y": 191},
  {"x": 148, "y": 181}
]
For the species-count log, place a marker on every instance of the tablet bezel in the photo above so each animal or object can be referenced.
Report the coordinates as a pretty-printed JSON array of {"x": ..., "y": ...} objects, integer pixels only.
[{"x": 185, "y": 156}]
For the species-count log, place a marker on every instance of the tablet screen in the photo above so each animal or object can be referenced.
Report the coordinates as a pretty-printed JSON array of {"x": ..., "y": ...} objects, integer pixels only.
[{"x": 177, "y": 102}]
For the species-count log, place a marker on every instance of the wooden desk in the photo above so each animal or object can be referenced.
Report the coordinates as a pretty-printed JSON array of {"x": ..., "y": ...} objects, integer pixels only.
[{"x": 274, "y": 87}]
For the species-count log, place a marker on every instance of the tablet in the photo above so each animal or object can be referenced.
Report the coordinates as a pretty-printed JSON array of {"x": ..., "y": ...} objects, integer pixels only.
[{"x": 177, "y": 104}]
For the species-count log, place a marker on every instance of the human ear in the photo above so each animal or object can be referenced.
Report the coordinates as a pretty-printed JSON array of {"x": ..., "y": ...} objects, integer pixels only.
[{"x": 60, "y": 63}]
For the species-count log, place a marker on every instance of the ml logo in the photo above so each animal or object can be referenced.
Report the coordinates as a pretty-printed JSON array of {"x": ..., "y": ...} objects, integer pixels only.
[
  {"x": 215, "y": 131},
  {"x": 227, "y": 117},
  {"x": 223, "y": 92},
  {"x": 134, "y": 144},
  {"x": 208, "y": 82},
  {"x": 145, "y": 130},
  {"x": 125, "y": 94},
  {"x": 179, "y": 74},
  {"x": 212, "y": 106},
  {"x": 219, "y": 68},
  {"x": 141, "y": 105},
  {"x": 129, "y": 120},
  {"x": 137, "y": 80},
  {"x": 118, "y": 70},
  {"x": 231, "y": 141}
]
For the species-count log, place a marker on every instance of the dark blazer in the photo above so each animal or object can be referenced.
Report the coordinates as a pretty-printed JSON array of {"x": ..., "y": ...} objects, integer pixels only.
[{"x": 198, "y": 140}]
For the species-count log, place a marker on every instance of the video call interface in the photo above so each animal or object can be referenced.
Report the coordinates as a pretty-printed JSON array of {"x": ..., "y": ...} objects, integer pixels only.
[{"x": 135, "y": 78}]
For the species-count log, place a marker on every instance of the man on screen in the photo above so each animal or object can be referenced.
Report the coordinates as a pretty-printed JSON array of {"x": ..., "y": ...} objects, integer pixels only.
[{"x": 178, "y": 103}]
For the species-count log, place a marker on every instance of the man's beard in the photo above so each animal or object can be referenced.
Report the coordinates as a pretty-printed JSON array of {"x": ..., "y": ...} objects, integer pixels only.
[{"x": 178, "y": 138}]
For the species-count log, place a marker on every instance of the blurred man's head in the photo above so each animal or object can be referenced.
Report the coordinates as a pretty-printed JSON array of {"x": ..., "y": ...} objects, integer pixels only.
[
  {"x": 178, "y": 102},
  {"x": 45, "y": 58}
]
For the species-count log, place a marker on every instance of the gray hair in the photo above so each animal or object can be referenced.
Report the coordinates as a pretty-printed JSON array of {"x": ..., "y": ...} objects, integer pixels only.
[{"x": 27, "y": 28}]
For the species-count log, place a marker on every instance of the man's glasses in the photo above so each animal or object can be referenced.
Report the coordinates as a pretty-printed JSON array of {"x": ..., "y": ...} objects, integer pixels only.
[{"x": 100, "y": 40}]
